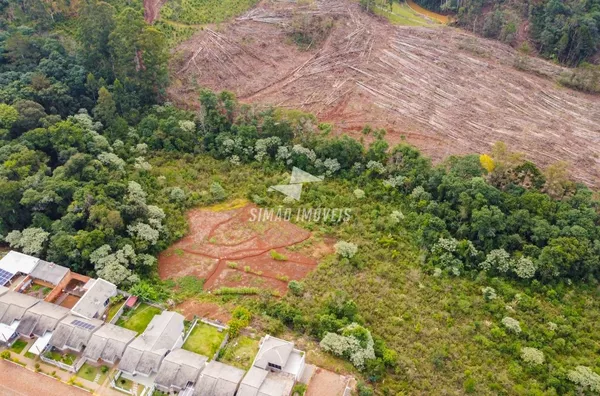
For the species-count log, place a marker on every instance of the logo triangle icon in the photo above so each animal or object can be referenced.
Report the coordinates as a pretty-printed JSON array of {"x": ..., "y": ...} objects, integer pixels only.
[
  {"x": 291, "y": 190},
  {"x": 299, "y": 176}
]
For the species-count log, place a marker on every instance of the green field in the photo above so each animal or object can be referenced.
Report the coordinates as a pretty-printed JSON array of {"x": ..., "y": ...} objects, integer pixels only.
[
  {"x": 204, "y": 11},
  {"x": 240, "y": 352},
  {"x": 401, "y": 14},
  {"x": 18, "y": 346},
  {"x": 204, "y": 340},
  {"x": 138, "y": 319},
  {"x": 89, "y": 372}
]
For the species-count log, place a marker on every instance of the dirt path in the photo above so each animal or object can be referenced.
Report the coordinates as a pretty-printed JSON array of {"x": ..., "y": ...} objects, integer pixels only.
[
  {"x": 18, "y": 381},
  {"x": 430, "y": 14},
  {"x": 442, "y": 89}
]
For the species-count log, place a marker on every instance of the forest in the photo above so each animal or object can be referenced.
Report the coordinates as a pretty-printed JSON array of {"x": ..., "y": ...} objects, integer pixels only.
[
  {"x": 567, "y": 31},
  {"x": 476, "y": 275}
]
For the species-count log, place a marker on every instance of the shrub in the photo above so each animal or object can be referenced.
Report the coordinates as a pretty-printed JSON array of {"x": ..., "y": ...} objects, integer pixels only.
[
  {"x": 489, "y": 293},
  {"x": 5, "y": 355},
  {"x": 532, "y": 356},
  {"x": 296, "y": 287},
  {"x": 359, "y": 194},
  {"x": 275, "y": 255},
  {"x": 511, "y": 324},
  {"x": 217, "y": 192},
  {"x": 345, "y": 249},
  {"x": 104, "y": 369}
]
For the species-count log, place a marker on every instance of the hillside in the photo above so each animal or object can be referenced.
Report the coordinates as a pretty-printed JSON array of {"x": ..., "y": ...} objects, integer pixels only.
[{"x": 444, "y": 90}]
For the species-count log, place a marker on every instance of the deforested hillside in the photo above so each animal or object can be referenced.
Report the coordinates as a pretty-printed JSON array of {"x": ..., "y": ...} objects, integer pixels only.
[{"x": 444, "y": 90}]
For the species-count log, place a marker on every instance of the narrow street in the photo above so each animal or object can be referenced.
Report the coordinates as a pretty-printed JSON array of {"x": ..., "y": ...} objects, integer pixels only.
[{"x": 18, "y": 381}]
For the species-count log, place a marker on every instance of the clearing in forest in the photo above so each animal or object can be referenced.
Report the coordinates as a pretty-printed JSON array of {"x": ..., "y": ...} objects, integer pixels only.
[
  {"x": 228, "y": 249},
  {"x": 442, "y": 89}
]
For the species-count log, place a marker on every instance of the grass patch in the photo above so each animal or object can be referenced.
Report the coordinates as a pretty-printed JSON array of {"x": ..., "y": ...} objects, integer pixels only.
[
  {"x": 204, "y": 11},
  {"x": 18, "y": 346},
  {"x": 240, "y": 352},
  {"x": 401, "y": 14},
  {"x": 89, "y": 372},
  {"x": 67, "y": 359},
  {"x": 138, "y": 319},
  {"x": 204, "y": 340},
  {"x": 112, "y": 311},
  {"x": 30, "y": 355},
  {"x": 125, "y": 383}
]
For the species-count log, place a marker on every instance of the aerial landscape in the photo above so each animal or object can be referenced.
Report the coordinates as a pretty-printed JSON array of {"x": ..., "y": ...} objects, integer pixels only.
[{"x": 299, "y": 197}]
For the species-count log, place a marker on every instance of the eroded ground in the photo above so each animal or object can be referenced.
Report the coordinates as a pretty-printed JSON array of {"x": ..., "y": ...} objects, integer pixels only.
[{"x": 444, "y": 90}]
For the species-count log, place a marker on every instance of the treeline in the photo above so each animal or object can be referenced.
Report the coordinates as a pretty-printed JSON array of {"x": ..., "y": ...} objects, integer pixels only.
[{"x": 568, "y": 31}]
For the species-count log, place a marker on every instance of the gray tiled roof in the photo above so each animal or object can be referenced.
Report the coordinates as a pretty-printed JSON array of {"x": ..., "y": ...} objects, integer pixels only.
[
  {"x": 69, "y": 334},
  {"x": 49, "y": 272},
  {"x": 13, "y": 306},
  {"x": 93, "y": 301},
  {"x": 108, "y": 343},
  {"x": 218, "y": 379},
  {"x": 40, "y": 318},
  {"x": 178, "y": 368}
]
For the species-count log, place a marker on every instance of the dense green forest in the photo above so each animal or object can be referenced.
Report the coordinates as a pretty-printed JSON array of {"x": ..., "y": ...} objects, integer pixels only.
[
  {"x": 568, "y": 31},
  {"x": 477, "y": 275}
]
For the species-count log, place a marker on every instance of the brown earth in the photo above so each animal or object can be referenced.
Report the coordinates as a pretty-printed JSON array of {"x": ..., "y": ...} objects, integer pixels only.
[
  {"x": 191, "y": 308},
  {"x": 324, "y": 382},
  {"x": 18, "y": 381},
  {"x": 228, "y": 249},
  {"x": 442, "y": 89}
]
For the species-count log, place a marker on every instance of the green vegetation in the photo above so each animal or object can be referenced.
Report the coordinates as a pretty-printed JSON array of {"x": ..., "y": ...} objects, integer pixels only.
[
  {"x": 125, "y": 383},
  {"x": 204, "y": 11},
  {"x": 114, "y": 308},
  {"x": 18, "y": 346},
  {"x": 89, "y": 372},
  {"x": 139, "y": 318},
  {"x": 240, "y": 352},
  {"x": 399, "y": 13},
  {"x": 66, "y": 358},
  {"x": 567, "y": 31},
  {"x": 237, "y": 290},
  {"x": 204, "y": 340}
]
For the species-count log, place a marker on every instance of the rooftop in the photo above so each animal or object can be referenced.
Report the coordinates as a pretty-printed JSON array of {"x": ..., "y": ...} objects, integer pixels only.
[
  {"x": 41, "y": 318},
  {"x": 13, "y": 306},
  {"x": 145, "y": 353},
  {"x": 108, "y": 343},
  {"x": 179, "y": 368},
  {"x": 49, "y": 272},
  {"x": 218, "y": 379},
  {"x": 3, "y": 290},
  {"x": 74, "y": 332},
  {"x": 15, "y": 262},
  {"x": 259, "y": 382},
  {"x": 273, "y": 350},
  {"x": 93, "y": 301}
]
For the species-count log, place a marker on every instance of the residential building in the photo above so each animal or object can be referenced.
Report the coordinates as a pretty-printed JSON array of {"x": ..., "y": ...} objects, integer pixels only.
[
  {"x": 13, "y": 306},
  {"x": 218, "y": 379},
  {"x": 259, "y": 382},
  {"x": 108, "y": 344},
  {"x": 40, "y": 319},
  {"x": 95, "y": 300},
  {"x": 144, "y": 355},
  {"x": 14, "y": 264},
  {"x": 73, "y": 333},
  {"x": 179, "y": 370}
]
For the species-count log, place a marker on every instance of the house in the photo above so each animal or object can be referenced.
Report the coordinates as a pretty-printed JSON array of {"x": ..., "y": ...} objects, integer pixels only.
[
  {"x": 259, "y": 382},
  {"x": 95, "y": 300},
  {"x": 144, "y": 355},
  {"x": 218, "y": 379},
  {"x": 279, "y": 355},
  {"x": 40, "y": 319},
  {"x": 15, "y": 263},
  {"x": 48, "y": 273},
  {"x": 179, "y": 370},
  {"x": 73, "y": 333},
  {"x": 108, "y": 344},
  {"x": 13, "y": 306},
  {"x": 276, "y": 368}
]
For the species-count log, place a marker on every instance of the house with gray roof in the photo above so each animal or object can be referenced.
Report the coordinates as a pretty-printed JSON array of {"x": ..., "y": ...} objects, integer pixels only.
[
  {"x": 279, "y": 355},
  {"x": 15, "y": 263},
  {"x": 73, "y": 333},
  {"x": 41, "y": 318},
  {"x": 145, "y": 354},
  {"x": 218, "y": 379},
  {"x": 95, "y": 300},
  {"x": 179, "y": 370},
  {"x": 259, "y": 382},
  {"x": 108, "y": 343},
  {"x": 13, "y": 306},
  {"x": 49, "y": 272}
]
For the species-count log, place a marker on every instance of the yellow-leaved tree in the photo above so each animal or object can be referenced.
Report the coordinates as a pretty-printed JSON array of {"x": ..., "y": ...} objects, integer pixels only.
[{"x": 487, "y": 163}]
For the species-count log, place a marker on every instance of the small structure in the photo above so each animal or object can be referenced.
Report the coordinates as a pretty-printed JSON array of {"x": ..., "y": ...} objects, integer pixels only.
[
  {"x": 40, "y": 319},
  {"x": 218, "y": 379},
  {"x": 145, "y": 354},
  {"x": 95, "y": 300},
  {"x": 131, "y": 301},
  {"x": 15, "y": 263},
  {"x": 74, "y": 333},
  {"x": 12, "y": 308},
  {"x": 108, "y": 343},
  {"x": 49, "y": 273},
  {"x": 276, "y": 368},
  {"x": 179, "y": 370}
]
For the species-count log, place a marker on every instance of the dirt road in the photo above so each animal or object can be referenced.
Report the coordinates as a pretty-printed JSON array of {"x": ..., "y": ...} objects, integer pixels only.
[{"x": 18, "y": 381}]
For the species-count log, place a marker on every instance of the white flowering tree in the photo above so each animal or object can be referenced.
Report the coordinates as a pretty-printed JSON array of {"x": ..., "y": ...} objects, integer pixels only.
[
  {"x": 532, "y": 356},
  {"x": 31, "y": 240},
  {"x": 585, "y": 378},
  {"x": 511, "y": 324},
  {"x": 115, "y": 267},
  {"x": 345, "y": 249},
  {"x": 355, "y": 343}
]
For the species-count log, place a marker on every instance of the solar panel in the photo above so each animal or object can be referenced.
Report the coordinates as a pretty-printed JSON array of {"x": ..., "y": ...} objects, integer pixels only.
[
  {"x": 83, "y": 325},
  {"x": 5, "y": 276}
]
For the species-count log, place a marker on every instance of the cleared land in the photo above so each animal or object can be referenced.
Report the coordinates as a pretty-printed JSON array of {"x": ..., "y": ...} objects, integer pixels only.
[
  {"x": 229, "y": 250},
  {"x": 443, "y": 90},
  {"x": 240, "y": 352},
  {"x": 204, "y": 340}
]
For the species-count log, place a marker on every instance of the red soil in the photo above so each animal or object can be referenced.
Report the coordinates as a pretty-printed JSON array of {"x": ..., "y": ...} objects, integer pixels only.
[
  {"x": 203, "y": 309},
  {"x": 228, "y": 249}
]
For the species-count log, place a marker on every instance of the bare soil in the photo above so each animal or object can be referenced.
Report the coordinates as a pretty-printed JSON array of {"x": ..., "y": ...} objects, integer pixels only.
[
  {"x": 208, "y": 310},
  {"x": 228, "y": 249},
  {"x": 325, "y": 382},
  {"x": 442, "y": 89}
]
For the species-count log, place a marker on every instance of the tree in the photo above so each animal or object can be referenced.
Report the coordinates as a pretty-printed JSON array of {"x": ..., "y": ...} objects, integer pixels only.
[
  {"x": 31, "y": 241},
  {"x": 8, "y": 116},
  {"x": 96, "y": 22},
  {"x": 105, "y": 109}
]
